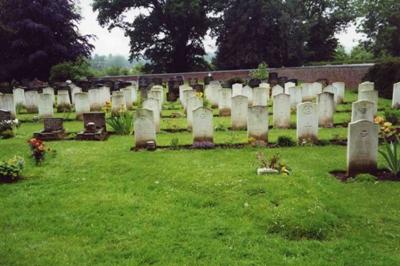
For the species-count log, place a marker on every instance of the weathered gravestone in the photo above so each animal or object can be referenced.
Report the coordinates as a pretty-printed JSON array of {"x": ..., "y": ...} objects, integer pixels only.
[
  {"x": 239, "y": 112},
  {"x": 193, "y": 104},
  {"x": 145, "y": 129},
  {"x": 53, "y": 129},
  {"x": 248, "y": 92},
  {"x": 331, "y": 89},
  {"x": 326, "y": 108},
  {"x": 307, "y": 122},
  {"x": 237, "y": 89},
  {"x": 225, "y": 102},
  {"x": 295, "y": 97},
  {"x": 7, "y": 103},
  {"x": 63, "y": 98},
  {"x": 366, "y": 86},
  {"x": 369, "y": 95},
  {"x": 46, "y": 105},
  {"x": 118, "y": 102},
  {"x": 257, "y": 123},
  {"x": 95, "y": 127},
  {"x": 276, "y": 90},
  {"x": 49, "y": 90},
  {"x": 31, "y": 101},
  {"x": 203, "y": 130},
  {"x": 82, "y": 104},
  {"x": 340, "y": 91},
  {"x": 260, "y": 96},
  {"x": 362, "y": 110},
  {"x": 307, "y": 91},
  {"x": 105, "y": 94},
  {"x": 289, "y": 85},
  {"x": 396, "y": 96},
  {"x": 153, "y": 105},
  {"x": 74, "y": 90},
  {"x": 316, "y": 88},
  {"x": 187, "y": 94},
  {"x": 281, "y": 111},
  {"x": 96, "y": 99},
  {"x": 128, "y": 95},
  {"x": 19, "y": 96},
  {"x": 211, "y": 92},
  {"x": 156, "y": 94},
  {"x": 362, "y": 147}
]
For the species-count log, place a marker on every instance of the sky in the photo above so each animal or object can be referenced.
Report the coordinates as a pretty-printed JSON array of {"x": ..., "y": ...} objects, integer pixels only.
[{"x": 116, "y": 43}]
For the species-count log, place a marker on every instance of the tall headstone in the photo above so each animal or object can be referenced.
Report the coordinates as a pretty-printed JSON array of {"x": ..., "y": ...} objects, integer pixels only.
[
  {"x": 366, "y": 86},
  {"x": 203, "y": 130},
  {"x": 239, "y": 112},
  {"x": 307, "y": 122},
  {"x": 362, "y": 147},
  {"x": 237, "y": 89},
  {"x": 193, "y": 103},
  {"x": 74, "y": 90},
  {"x": 340, "y": 91},
  {"x": 289, "y": 85},
  {"x": 211, "y": 92},
  {"x": 248, "y": 92},
  {"x": 156, "y": 94},
  {"x": 326, "y": 108},
  {"x": 128, "y": 94},
  {"x": 260, "y": 96},
  {"x": 31, "y": 101},
  {"x": 295, "y": 97},
  {"x": 363, "y": 110},
  {"x": 396, "y": 96},
  {"x": 7, "y": 104},
  {"x": 96, "y": 98},
  {"x": 225, "y": 102},
  {"x": 82, "y": 104},
  {"x": 369, "y": 95},
  {"x": 257, "y": 123},
  {"x": 307, "y": 92},
  {"x": 276, "y": 90},
  {"x": 63, "y": 98},
  {"x": 153, "y": 105},
  {"x": 145, "y": 130},
  {"x": 46, "y": 105},
  {"x": 19, "y": 96},
  {"x": 281, "y": 111},
  {"x": 118, "y": 102},
  {"x": 50, "y": 90},
  {"x": 316, "y": 88},
  {"x": 106, "y": 94},
  {"x": 187, "y": 94}
]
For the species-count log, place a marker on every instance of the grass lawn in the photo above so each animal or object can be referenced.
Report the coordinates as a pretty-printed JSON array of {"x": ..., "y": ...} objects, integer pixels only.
[{"x": 100, "y": 203}]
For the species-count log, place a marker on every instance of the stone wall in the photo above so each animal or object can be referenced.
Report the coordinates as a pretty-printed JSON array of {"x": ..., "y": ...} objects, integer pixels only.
[{"x": 350, "y": 74}]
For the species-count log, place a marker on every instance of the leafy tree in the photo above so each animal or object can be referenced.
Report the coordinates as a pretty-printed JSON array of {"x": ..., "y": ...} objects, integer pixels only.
[
  {"x": 167, "y": 33},
  {"x": 35, "y": 35},
  {"x": 381, "y": 24},
  {"x": 71, "y": 71}
]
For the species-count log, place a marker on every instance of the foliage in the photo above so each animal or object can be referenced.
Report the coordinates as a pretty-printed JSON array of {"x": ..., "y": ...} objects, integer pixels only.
[
  {"x": 391, "y": 153},
  {"x": 64, "y": 108},
  {"x": 274, "y": 162},
  {"x": 363, "y": 178},
  {"x": 261, "y": 72},
  {"x": 174, "y": 143},
  {"x": 7, "y": 128},
  {"x": 10, "y": 170},
  {"x": 392, "y": 116},
  {"x": 71, "y": 71},
  {"x": 387, "y": 131},
  {"x": 39, "y": 150},
  {"x": 384, "y": 75},
  {"x": 359, "y": 54},
  {"x": 121, "y": 122},
  {"x": 232, "y": 81},
  {"x": 285, "y": 141},
  {"x": 37, "y": 35},
  {"x": 159, "y": 34}
]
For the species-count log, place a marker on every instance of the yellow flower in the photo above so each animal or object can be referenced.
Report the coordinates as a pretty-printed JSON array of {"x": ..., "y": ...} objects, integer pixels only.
[{"x": 387, "y": 124}]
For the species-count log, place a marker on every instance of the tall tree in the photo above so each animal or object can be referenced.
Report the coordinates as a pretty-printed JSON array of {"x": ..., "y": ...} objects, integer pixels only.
[
  {"x": 167, "y": 33},
  {"x": 381, "y": 24},
  {"x": 35, "y": 35}
]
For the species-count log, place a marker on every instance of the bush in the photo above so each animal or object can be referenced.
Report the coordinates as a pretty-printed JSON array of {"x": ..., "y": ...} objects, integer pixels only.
[
  {"x": 392, "y": 116},
  {"x": 121, "y": 123},
  {"x": 285, "y": 141},
  {"x": 391, "y": 154},
  {"x": 261, "y": 72},
  {"x": 10, "y": 170},
  {"x": 64, "y": 108},
  {"x": 71, "y": 71},
  {"x": 384, "y": 75}
]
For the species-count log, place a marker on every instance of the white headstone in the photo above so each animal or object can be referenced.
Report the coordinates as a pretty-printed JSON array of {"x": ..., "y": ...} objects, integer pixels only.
[
  {"x": 225, "y": 102},
  {"x": 49, "y": 90},
  {"x": 46, "y": 105},
  {"x": 265, "y": 85},
  {"x": 237, "y": 89},
  {"x": 7, "y": 104},
  {"x": 239, "y": 112},
  {"x": 96, "y": 97},
  {"x": 19, "y": 96},
  {"x": 281, "y": 111},
  {"x": 211, "y": 93},
  {"x": 153, "y": 105},
  {"x": 363, "y": 110},
  {"x": 118, "y": 102},
  {"x": 316, "y": 88},
  {"x": 257, "y": 123},
  {"x": 340, "y": 91},
  {"x": 106, "y": 95},
  {"x": 396, "y": 96},
  {"x": 203, "y": 130},
  {"x": 366, "y": 86},
  {"x": 193, "y": 103},
  {"x": 260, "y": 96},
  {"x": 145, "y": 129},
  {"x": 156, "y": 94},
  {"x": 63, "y": 97},
  {"x": 307, "y": 122},
  {"x": 128, "y": 97},
  {"x": 362, "y": 147},
  {"x": 295, "y": 97},
  {"x": 186, "y": 95},
  {"x": 248, "y": 92},
  {"x": 74, "y": 90},
  {"x": 326, "y": 108},
  {"x": 289, "y": 85},
  {"x": 31, "y": 101},
  {"x": 276, "y": 90},
  {"x": 82, "y": 104},
  {"x": 369, "y": 95},
  {"x": 307, "y": 92}
]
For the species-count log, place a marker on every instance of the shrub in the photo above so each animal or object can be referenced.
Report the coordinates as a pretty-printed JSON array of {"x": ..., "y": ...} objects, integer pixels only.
[
  {"x": 64, "y": 108},
  {"x": 384, "y": 75},
  {"x": 71, "y": 71},
  {"x": 10, "y": 170},
  {"x": 285, "y": 141},
  {"x": 261, "y": 72},
  {"x": 174, "y": 143},
  {"x": 392, "y": 116},
  {"x": 363, "y": 178},
  {"x": 121, "y": 123},
  {"x": 391, "y": 154}
]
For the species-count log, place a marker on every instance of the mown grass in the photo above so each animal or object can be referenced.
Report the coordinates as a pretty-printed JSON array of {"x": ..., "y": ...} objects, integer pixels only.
[{"x": 100, "y": 203}]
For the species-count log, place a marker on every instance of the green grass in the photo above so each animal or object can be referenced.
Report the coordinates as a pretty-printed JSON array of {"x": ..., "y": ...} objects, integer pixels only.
[{"x": 100, "y": 203}]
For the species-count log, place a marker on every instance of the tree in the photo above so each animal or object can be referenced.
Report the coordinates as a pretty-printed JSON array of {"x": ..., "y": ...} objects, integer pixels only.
[
  {"x": 381, "y": 25},
  {"x": 35, "y": 35},
  {"x": 167, "y": 33}
]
